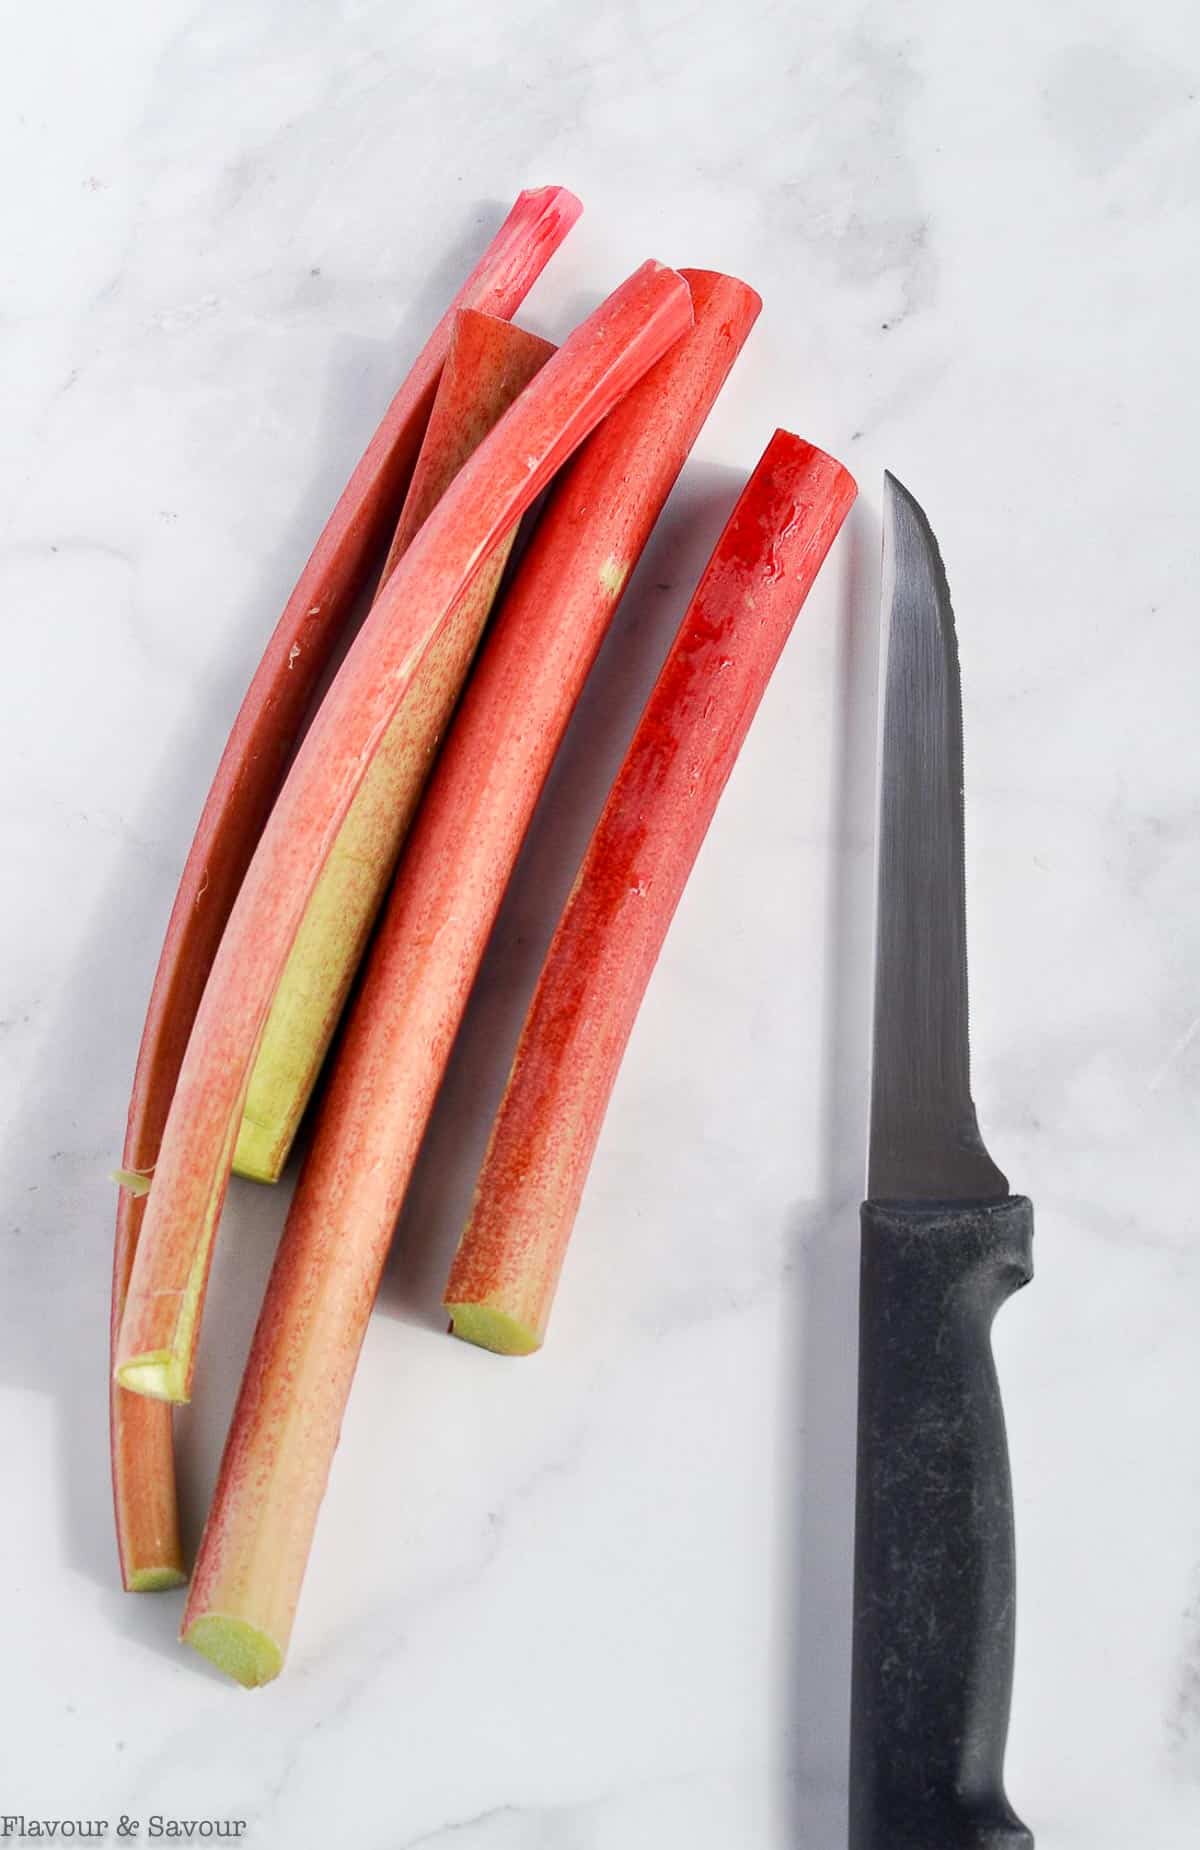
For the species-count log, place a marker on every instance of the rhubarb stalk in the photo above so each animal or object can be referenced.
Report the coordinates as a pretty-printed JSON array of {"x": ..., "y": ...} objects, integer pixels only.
[
  {"x": 454, "y": 871},
  {"x": 593, "y": 369},
  {"x": 504, "y": 1275},
  {"x": 489, "y": 362},
  {"x": 247, "y": 780}
]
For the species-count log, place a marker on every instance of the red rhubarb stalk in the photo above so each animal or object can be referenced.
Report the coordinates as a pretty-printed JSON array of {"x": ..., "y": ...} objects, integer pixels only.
[
  {"x": 452, "y": 877},
  {"x": 503, "y": 1279},
  {"x": 593, "y": 369},
  {"x": 489, "y": 362},
  {"x": 247, "y": 781}
]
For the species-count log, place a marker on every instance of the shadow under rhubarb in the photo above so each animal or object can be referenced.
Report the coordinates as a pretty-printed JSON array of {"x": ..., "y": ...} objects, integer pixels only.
[{"x": 439, "y": 1195}]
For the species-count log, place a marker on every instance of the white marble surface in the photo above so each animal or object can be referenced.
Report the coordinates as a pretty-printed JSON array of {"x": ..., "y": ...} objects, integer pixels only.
[{"x": 598, "y": 1600}]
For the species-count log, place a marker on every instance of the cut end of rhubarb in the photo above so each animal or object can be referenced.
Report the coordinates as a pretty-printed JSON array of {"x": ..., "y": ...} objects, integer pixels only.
[
  {"x": 160, "y": 1376},
  {"x": 491, "y": 1328},
  {"x": 135, "y": 1180},
  {"x": 244, "y": 1653},
  {"x": 155, "y": 1579},
  {"x": 565, "y": 205},
  {"x": 261, "y": 1155}
]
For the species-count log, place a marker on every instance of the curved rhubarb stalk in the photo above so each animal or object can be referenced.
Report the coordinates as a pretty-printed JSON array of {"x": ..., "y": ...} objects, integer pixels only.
[
  {"x": 593, "y": 369},
  {"x": 452, "y": 877},
  {"x": 489, "y": 362},
  {"x": 247, "y": 780},
  {"x": 503, "y": 1279}
]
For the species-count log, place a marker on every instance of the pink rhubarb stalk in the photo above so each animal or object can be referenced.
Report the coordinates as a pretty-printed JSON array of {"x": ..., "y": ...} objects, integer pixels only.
[
  {"x": 452, "y": 877},
  {"x": 247, "y": 780},
  {"x": 593, "y": 369},
  {"x": 490, "y": 361},
  {"x": 503, "y": 1279}
]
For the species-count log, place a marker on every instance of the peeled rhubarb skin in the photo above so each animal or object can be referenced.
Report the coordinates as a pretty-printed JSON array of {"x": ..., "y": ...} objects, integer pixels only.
[
  {"x": 490, "y": 361},
  {"x": 247, "y": 780},
  {"x": 593, "y": 369},
  {"x": 453, "y": 874},
  {"x": 503, "y": 1279}
]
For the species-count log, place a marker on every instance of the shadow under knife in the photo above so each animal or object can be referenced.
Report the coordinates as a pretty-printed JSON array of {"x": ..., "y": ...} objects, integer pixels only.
[{"x": 821, "y": 1367}]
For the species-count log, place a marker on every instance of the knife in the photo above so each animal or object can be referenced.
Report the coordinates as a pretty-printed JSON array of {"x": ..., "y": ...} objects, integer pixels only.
[{"x": 944, "y": 1244}]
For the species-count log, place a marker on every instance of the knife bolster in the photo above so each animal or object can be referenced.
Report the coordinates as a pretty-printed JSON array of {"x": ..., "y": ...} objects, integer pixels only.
[{"x": 934, "y": 1591}]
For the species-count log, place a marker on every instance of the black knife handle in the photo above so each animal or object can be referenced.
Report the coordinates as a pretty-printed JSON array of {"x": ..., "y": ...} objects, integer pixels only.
[{"x": 934, "y": 1582}]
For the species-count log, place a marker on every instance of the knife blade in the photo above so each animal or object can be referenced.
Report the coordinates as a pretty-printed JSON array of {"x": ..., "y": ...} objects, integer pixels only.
[{"x": 944, "y": 1244}]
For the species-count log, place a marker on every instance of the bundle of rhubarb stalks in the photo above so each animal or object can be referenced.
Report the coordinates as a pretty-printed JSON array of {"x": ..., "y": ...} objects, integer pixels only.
[{"x": 380, "y": 825}]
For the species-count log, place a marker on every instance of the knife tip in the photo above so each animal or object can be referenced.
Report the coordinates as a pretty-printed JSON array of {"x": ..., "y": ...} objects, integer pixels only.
[{"x": 904, "y": 515}]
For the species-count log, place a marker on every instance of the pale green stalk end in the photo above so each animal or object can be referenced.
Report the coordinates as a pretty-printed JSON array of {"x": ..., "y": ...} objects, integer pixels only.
[
  {"x": 493, "y": 1329},
  {"x": 240, "y": 1649},
  {"x": 155, "y": 1579},
  {"x": 159, "y": 1375}
]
